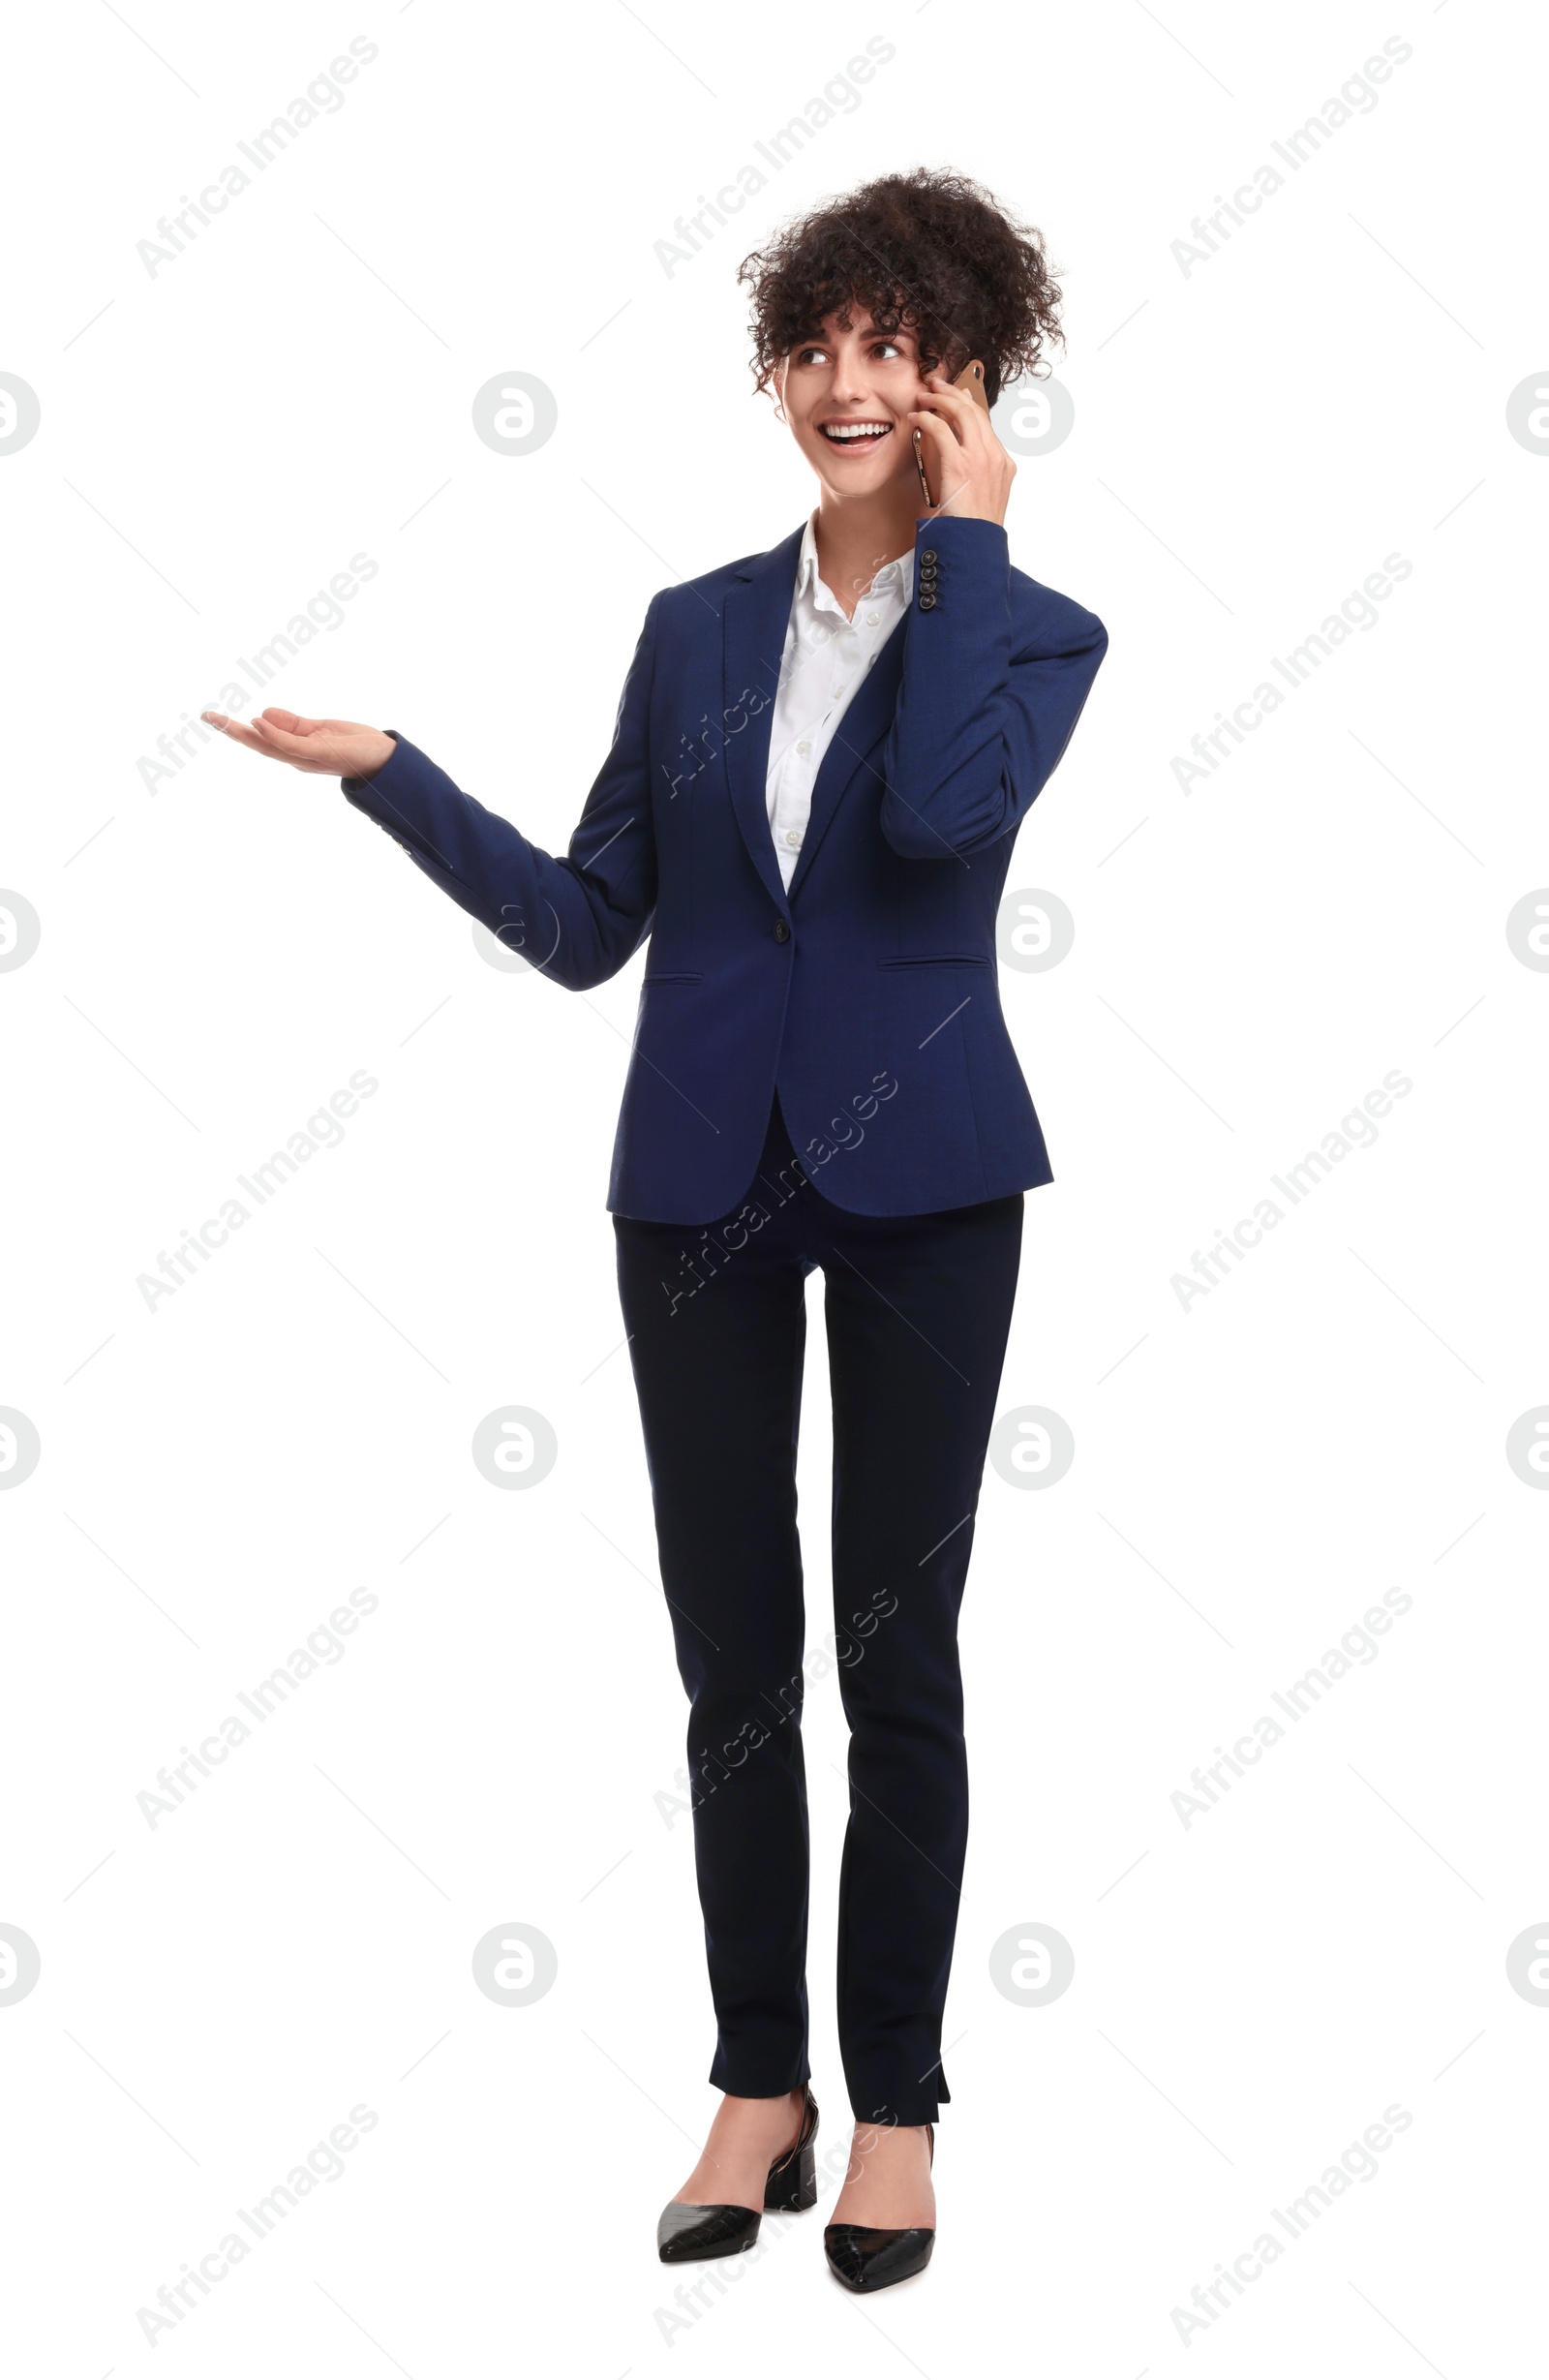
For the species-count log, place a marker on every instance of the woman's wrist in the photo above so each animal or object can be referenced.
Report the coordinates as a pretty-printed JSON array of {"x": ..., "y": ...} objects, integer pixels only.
[{"x": 385, "y": 742}]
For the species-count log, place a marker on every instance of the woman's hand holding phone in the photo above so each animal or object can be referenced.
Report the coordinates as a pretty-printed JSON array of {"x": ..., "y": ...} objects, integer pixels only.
[
  {"x": 965, "y": 470},
  {"x": 319, "y": 748}
]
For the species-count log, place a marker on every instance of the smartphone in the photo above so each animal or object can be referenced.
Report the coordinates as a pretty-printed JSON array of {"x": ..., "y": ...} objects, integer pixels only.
[{"x": 972, "y": 378}]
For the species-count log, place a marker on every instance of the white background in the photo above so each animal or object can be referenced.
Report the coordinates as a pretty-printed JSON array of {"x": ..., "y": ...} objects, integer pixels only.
[{"x": 1252, "y": 438}]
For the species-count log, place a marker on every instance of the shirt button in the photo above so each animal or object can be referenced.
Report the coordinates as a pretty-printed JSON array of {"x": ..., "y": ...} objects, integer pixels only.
[
  {"x": 841, "y": 690},
  {"x": 871, "y": 620},
  {"x": 792, "y": 837},
  {"x": 804, "y": 747}
]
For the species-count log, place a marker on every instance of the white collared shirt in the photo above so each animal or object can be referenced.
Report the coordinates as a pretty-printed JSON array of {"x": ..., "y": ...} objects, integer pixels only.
[{"x": 825, "y": 659}]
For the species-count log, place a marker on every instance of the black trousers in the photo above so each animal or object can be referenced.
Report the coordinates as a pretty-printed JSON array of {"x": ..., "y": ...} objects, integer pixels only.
[{"x": 918, "y": 1308}]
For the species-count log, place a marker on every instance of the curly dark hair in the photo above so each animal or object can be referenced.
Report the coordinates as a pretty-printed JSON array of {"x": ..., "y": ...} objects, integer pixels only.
[{"x": 932, "y": 251}]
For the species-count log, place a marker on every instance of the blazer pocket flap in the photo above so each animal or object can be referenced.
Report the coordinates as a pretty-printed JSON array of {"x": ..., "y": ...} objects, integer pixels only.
[{"x": 939, "y": 959}]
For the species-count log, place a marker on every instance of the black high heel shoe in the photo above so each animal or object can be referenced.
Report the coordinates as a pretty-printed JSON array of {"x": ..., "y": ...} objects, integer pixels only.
[
  {"x": 864, "y": 2258},
  {"x": 688, "y": 2234}
]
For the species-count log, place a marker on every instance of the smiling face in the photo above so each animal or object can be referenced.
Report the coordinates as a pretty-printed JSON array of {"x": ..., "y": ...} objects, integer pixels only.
[{"x": 847, "y": 393}]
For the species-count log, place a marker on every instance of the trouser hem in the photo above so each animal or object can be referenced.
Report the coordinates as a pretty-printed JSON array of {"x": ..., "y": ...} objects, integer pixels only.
[
  {"x": 917, "y": 2101},
  {"x": 745, "y": 2078}
]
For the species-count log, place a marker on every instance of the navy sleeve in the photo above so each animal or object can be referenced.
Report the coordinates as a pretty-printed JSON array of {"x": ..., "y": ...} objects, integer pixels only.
[
  {"x": 986, "y": 708},
  {"x": 578, "y": 918}
]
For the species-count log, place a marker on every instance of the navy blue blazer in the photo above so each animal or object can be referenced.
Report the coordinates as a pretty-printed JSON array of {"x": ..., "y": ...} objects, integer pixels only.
[{"x": 868, "y": 993}]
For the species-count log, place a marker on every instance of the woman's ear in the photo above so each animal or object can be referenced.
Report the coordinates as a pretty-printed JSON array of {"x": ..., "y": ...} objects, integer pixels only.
[{"x": 778, "y": 387}]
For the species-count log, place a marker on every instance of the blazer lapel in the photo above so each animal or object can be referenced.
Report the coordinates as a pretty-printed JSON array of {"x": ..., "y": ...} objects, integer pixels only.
[
  {"x": 865, "y": 721},
  {"x": 756, "y": 614}
]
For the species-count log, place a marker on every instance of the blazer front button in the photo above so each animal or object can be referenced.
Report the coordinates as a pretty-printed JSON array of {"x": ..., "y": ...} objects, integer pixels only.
[{"x": 782, "y": 932}]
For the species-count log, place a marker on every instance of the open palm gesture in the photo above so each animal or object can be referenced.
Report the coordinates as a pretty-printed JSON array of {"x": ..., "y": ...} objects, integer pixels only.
[{"x": 321, "y": 747}]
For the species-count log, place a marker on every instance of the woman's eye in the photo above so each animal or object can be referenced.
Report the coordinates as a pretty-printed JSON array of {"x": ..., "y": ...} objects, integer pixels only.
[
  {"x": 811, "y": 355},
  {"x": 888, "y": 346}
]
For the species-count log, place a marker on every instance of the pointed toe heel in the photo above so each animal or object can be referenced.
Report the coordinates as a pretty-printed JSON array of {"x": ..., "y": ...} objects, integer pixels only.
[
  {"x": 688, "y": 2234},
  {"x": 865, "y": 2258}
]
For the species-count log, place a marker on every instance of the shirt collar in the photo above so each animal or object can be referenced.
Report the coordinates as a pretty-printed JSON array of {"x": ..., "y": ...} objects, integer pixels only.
[{"x": 895, "y": 575}]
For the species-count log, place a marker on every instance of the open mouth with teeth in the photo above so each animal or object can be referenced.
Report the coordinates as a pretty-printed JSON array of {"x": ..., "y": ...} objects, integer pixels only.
[{"x": 857, "y": 437}]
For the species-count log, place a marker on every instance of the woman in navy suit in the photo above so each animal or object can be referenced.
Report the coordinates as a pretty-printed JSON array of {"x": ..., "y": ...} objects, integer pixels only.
[{"x": 821, "y": 759}]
